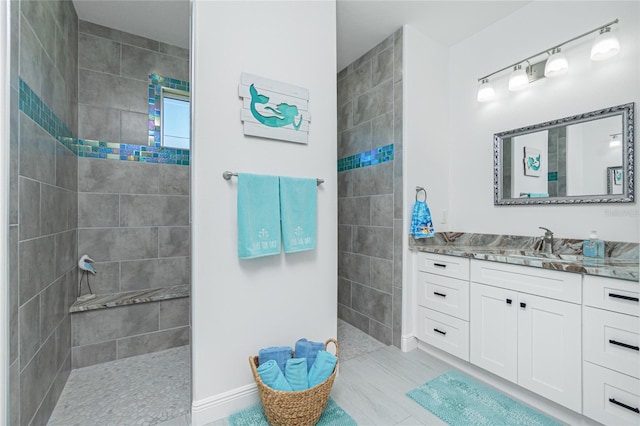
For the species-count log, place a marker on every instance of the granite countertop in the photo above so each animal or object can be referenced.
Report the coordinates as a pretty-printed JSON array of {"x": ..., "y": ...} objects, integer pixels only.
[{"x": 621, "y": 261}]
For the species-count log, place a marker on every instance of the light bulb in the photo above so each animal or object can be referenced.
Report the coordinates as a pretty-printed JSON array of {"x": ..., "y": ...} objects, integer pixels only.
[
  {"x": 557, "y": 64},
  {"x": 486, "y": 92},
  {"x": 518, "y": 79},
  {"x": 605, "y": 46}
]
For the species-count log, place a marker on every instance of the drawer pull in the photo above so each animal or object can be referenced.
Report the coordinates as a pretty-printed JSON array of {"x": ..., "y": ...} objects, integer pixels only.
[
  {"x": 621, "y": 296},
  {"x": 509, "y": 301},
  {"x": 440, "y": 331},
  {"x": 624, "y": 345},
  {"x": 523, "y": 305},
  {"x": 439, "y": 294},
  {"x": 440, "y": 265},
  {"x": 623, "y": 405}
]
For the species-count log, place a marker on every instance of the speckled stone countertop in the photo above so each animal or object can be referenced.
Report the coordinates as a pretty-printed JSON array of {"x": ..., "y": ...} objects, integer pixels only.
[
  {"x": 102, "y": 301},
  {"x": 621, "y": 259}
]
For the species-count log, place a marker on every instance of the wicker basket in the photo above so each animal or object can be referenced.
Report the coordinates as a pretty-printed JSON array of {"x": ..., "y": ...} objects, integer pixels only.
[{"x": 294, "y": 408}]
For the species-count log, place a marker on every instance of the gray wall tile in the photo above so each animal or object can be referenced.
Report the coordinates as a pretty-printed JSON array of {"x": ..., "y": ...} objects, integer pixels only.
[
  {"x": 397, "y": 316},
  {"x": 14, "y": 292},
  {"x": 98, "y": 123},
  {"x": 154, "y": 210},
  {"x": 55, "y": 209},
  {"x": 98, "y": 54},
  {"x": 63, "y": 341},
  {"x": 354, "y": 267},
  {"x": 14, "y": 159},
  {"x": 35, "y": 380},
  {"x": 15, "y": 37},
  {"x": 354, "y": 211},
  {"x": 84, "y": 356},
  {"x": 106, "y": 281},
  {"x": 373, "y": 103},
  {"x": 397, "y": 116},
  {"x": 134, "y": 128},
  {"x": 373, "y": 180},
  {"x": 345, "y": 117},
  {"x": 376, "y": 242},
  {"x": 40, "y": 18},
  {"x": 344, "y": 292},
  {"x": 153, "y": 342},
  {"x": 398, "y": 231},
  {"x": 174, "y": 179},
  {"x": 14, "y": 393},
  {"x": 108, "y": 324},
  {"x": 125, "y": 177},
  {"x": 397, "y": 186},
  {"x": 372, "y": 303},
  {"x": 154, "y": 273},
  {"x": 37, "y": 152},
  {"x": 382, "y": 210},
  {"x": 381, "y": 332},
  {"x": 174, "y": 313},
  {"x": 382, "y": 130},
  {"x": 174, "y": 241},
  {"x": 138, "y": 63},
  {"x": 66, "y": 168},
  {"x": 52, "y": 307},
  {"x": 176, "y": 51},
  {"x": 66, "y": 251},
  {"x": 382, "y": 66},
  {"x": 30, "y": 48},
  {"x": 344, "y": 237},
  {"x": 121, "y": 36},
  {"x": 355, "y": 140},
  {"x": 98, "y": 210},
  {"x": 382, "y": 275},
  {"x": 29, "y": 330},
  {"x": 51, "y": 398},
  {"x": 397, "y": 55},
  {"x": 345, "y": 184},
  {"x": 106, "y": 90},
  {"x": 118, "y": 243},
  {"x": 37, "y": 265},
  {"x": 354, "y": 318},
  {"x": 29, "y": 208}
]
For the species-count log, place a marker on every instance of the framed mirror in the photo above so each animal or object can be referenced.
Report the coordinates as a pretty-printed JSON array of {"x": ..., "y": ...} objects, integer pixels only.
[{"x": 585, "y": 158}]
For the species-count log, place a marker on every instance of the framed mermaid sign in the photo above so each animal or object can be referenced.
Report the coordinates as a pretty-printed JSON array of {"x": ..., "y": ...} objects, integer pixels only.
[
  {"x": 274, "y": 110},
  {"x": 532, "y": 162}
]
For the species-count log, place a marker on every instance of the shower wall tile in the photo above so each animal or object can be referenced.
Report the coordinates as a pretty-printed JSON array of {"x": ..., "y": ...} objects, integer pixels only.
[
  {"x": 137, "y": 62},
  {"x": 382, "y": 210},
  {"x": 66, "y": 251},
  {"x": 398, "y": 231},
  {"x": 63, "y": 341},
  {"x": 397, "y": 316},
  {"x": 14, "y": 291},
  {"x": 373, "y": 103},
  {"x": 55, "y": 209},
  {"x": 106, "y": 281},
  {"x": 119, "y": 243},
  {"x": 397, "y": 186},
  {"x": 354, "y": 267},
  {"x": 382, "y": 66},
  {"x": 345, "y": 117},
  {"x": 397, "y": 115},
  {"x": 29, "y": 330},
  {"x": 355, "y": 84},
  {"x": 374, "y": 242},
  {"x": 354, "y": 211},
  {"x": 372, "y": 303},
  {"x": 52, "y": 308},
  {"x": 382, "y": 130},
  {"x": 381, "y": 332},
  {"x": 98, "y": 210},
  {"x": 174, "y": 313},
  {"x": 106, "y": 90},
  {"x": 99, "y": 54},
  {"x": 153, "y": 273},
  {"x": 30, "y": 48},
  {"x": 14, "y": 392},
  {"x": 344, "y": 292},
  {"x": 117, "y": 177},
  {"x": 51, "y": 398},
  {"x": 373, "y": 180},
  {"x": 35, "y": 380},
  {"x": 176, "y": 51},
  {"x": 397, "y": 56},
  {"x": 113, "y": 34},
  {"x": 345, "y": 184},
  {"x": 382, "y": 275},
  {"x": 66, "y": 168},
  {"x": 14, "y": 150},
  {"x": 355, "y": 140},
  {"x": 37, "y": 265},
  {"x": 99, "y": 123},
  {"x": 97, "y": 353},
  {"x": 153, "y": 210},
  {"x": 344, "y": 238},
  {"x": 354, "y": 318},
  {"x": 108, "y": 324},
  {"x": 153, "y": 342},
  {"x": 133, "y": 128},
  {"x": 174, "y": 179},
  {"x": 37, "y": 152},
  {"x": 29, "y": 208},
  {"x": 15, "y": 38},
  {"x": 41, "y": 20},
  {"x": 173, "y": 241}
]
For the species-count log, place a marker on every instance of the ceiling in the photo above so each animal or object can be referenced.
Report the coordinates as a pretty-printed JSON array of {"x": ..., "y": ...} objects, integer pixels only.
[{"x": 361, "y": 24}]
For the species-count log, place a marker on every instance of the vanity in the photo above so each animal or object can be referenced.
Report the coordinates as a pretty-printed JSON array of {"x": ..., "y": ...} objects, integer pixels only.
[{"x": 560, "y": 326}]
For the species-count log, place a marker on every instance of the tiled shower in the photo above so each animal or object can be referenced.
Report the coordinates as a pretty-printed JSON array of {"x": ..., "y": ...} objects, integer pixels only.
[
  {"x": 84, "y": 179},
  {"x": 370, "y": 216}
]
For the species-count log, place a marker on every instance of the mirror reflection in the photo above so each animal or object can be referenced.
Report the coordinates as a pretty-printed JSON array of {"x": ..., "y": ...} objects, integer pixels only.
[{"x": 585, "y": 158}]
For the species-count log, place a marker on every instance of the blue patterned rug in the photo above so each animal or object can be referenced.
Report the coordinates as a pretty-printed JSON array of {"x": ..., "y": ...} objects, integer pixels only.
[
  {"x": 332, "y": 415},
  {"x": 459, "y": 400}
]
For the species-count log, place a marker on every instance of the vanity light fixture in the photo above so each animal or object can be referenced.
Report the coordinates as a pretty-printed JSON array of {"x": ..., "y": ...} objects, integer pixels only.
[
  {"x": 615, "y": 140},
  {"x": 518, "y": 79},
  {"x": 604, "y": 47}
]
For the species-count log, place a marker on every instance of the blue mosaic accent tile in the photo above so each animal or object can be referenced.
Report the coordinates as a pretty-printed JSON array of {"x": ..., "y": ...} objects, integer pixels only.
[
  {"x": 379, "y": 155},
  {"x": 156, "y": 83}
]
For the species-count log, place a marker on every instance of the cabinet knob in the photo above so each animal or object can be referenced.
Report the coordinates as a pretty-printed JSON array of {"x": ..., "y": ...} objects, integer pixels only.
[
  {"x": 509, "y": 301},
  {"x": 523, "y": 305}
]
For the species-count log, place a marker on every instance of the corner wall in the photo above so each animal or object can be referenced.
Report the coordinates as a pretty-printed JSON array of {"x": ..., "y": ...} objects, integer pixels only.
[
  {"x": 241, "y": 306},
  {"x": 588, "y": 86}
]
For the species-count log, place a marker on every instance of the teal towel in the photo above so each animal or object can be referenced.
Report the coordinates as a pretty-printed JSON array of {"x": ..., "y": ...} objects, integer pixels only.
[
  {"x": 299, "y": 212},
  {"x": 322, "y": 368},
  {"x": 272, "y": 376},
  {"x": 280, "y": 354},
  {"x": 309, "y": 350},
  {"x": 258, "y": 216},
  {"x": 296, "y": 373}
]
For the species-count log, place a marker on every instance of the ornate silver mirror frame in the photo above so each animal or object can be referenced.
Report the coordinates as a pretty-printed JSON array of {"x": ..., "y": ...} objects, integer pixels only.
[{"x": 503, "y": 198}]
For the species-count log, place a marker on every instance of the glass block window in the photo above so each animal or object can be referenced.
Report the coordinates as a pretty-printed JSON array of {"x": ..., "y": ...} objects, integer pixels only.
[{"x": 176, "y": 129}]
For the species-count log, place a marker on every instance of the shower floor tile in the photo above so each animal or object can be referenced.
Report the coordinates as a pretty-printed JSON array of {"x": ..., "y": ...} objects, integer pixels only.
[{"x": 141, "y": 390}]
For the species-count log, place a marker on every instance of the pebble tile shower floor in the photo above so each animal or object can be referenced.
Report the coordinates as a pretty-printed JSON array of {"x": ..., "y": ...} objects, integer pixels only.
[{"x": 141, "y": 390}]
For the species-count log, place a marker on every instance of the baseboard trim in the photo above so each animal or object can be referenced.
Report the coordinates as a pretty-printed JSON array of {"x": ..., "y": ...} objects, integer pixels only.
[
  {"x": 408, "y": 343},
  {"x": 223, "y": 405},
  {"x": 536, "y": 401}
]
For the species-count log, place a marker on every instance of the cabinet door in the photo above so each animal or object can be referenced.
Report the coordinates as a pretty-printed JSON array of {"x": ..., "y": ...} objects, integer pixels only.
[
  {"x": 494, "y": 330},
  {"x": 549, "y": 352}
]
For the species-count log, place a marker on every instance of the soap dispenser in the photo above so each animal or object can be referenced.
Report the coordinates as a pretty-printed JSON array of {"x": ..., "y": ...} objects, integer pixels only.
[{"x": 593, "y": 247}]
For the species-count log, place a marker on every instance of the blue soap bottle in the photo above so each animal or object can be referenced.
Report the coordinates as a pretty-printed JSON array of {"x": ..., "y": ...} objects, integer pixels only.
[{"x": 593, "y": 247}]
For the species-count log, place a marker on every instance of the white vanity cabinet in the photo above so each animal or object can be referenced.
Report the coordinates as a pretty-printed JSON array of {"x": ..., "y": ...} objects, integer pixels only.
[
  {"x": 611, "y": 369},
  {"x": 443, "y": 303},
  {"x": 525, "y": 326}
]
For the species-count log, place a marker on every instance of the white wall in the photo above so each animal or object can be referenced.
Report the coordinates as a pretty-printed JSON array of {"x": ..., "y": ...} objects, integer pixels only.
[
  {"x": 588, "y": 86},
  {"x": 242, "y": 306}
]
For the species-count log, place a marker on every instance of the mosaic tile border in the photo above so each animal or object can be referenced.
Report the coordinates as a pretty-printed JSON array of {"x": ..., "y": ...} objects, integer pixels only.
[
  {"x": 375, "y": 156},
  {"x": 156, "y": 83},
  {"x": 41, "y": 114}
]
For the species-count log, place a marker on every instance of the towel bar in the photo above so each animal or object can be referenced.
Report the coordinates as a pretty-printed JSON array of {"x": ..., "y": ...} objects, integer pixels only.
[{"x": 227, "y": 175}]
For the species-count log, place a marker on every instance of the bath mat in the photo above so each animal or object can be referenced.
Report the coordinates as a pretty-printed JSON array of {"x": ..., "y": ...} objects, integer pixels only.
[
  {"x": 459, "y": 400},
  {"x": 332, "y": 415}
]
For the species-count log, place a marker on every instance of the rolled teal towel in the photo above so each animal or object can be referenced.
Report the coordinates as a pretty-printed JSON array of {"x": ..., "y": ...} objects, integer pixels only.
[
  {"x": 280, "y": 354},
  {"x": 272, "y": 376},
  {"x": 309, "y": 350},
  {"x": 322, "y": 368},
  {"x": 296, "y": 373},
  {"x": 299, "y": 213}
]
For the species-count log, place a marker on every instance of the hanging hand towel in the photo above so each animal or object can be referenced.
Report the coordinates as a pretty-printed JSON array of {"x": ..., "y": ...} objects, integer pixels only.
[
  {"x": 258, "y": 216},
  {"x": 299, "y": 212},
  {"x": 421, "y": 224},
  {"x": 272, "y": 376}
]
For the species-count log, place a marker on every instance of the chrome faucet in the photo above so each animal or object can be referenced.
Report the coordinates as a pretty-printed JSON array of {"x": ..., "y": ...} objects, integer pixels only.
[{"x": 547, "y": 241}]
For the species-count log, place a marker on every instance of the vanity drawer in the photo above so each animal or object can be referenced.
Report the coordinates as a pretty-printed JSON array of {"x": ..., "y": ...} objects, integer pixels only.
[
  {"x": 448, "y": 266},
  {"x": 612, "y": 294},
  {"x": 611, "y": 340},
  {"x": 542, "y": 282},
  {"x": 443, "y": 294},
  {"x": 604, "y": 390},
  {"x": 444, "y": 332}
]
